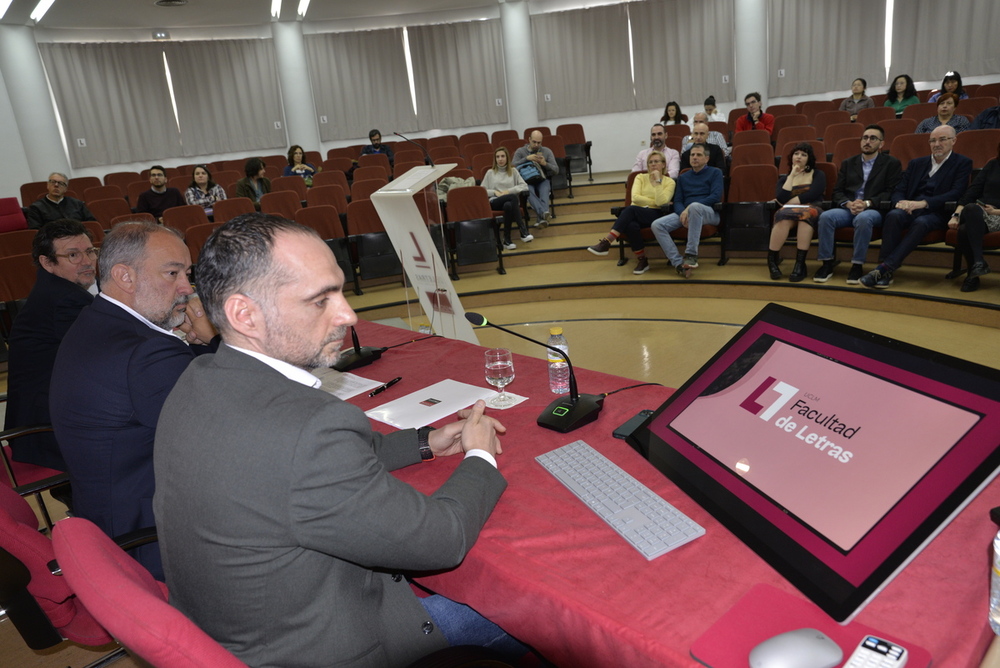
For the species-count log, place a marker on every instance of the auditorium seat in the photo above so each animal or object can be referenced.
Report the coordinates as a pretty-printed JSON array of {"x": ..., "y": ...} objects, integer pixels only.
[
  {"x": 989, "y": 90},
  {"x": 919, "y": 112},
  {"x": 401, "y": 167},
  {"x": 734, "y": 114},
  {"x": 102, "y": 192},
  {"x": 908, "y": 147},
  {"x": 196, "y": 236},
  {"x": 680, "y": 130},
  {"x": 443, "y": 153},
  {"x": 845, "y": 148},
  {"x": 751, "y": 137},
  {"x": 16, "y": 242},
  {"x": 182, "y": 182},
  {"x": 500, "y": 136},
  {"x": 342, "y": 152},
  {"x": 834, "y": 133},
  {"x": 895, "y": 127},
  {"x": 96, "y": 231},
  {"x": 11, "y": 216},
  {"x": 81, "y": 183},
  {"x": 136, "y": 188},
  {"x": 472, "y": 138},
  {"x": 444, "y": 140},
  {"x": 472, "y": 229},
  {"x": 747, "y": 213},
  {"x": 481, "y": 164},
  {"x": 512, "y": 145},
  {"x": 295, "y": 184},
  {"x": 876, "y": 114},
  {"x": 32, "y": 191},
  {"x": 282, "y": 203},
  {"x": 791, "y": 121},
  {"x": 830, "y": 172},
  {"x": 227, "y": 177},
  {"x": 363, "y": 189},
  {"x": 375, "y": 160},
  {"x": 810, "y": 108},
  {"x": 339, "y": 163},
  {"x": 227, "y": 209},
  {"x": 371, "y": 172},
  {"x": 182, "y": 217},
  {"x": 106, "y": 210},
  {"x": 331, "y": 195},
  {"x": 824, "y": 119},
  {"x": 472, "y": 150},
  {"x": 411, "y": 154},
  {"x": 780, "y": 110},
  {"x": 374, "y": 255},
  {"x": 333, "y": 177},
  {"x": 979, "y": 145},
  {"x": 975, "y": 105},
  {"x": 121, "y": 179},
  {"x": 577, "y": 148},
  {"x": 794, "y": 133},
  {"x": 752, "y": 154}
]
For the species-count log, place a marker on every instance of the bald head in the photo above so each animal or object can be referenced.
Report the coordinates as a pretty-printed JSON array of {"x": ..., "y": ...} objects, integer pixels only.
[
  {"x": 535, "y": 140},
  {"x": 942, "y": 141}
]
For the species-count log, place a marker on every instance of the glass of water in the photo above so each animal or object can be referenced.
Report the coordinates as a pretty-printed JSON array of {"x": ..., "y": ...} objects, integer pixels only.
[{"x": 500, "y": 374}]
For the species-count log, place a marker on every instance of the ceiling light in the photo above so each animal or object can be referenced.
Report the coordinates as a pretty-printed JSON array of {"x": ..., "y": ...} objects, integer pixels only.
[
  {"x": 275, "y": 8},
  {"x": 303, "y": 7},
  {"x": 161, "y": 34},
  {"x": 4, "y": 6},
  {"x": 40, "y": 9}
]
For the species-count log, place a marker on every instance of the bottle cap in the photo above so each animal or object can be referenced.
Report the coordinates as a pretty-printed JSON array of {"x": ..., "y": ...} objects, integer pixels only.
[{"x": 555, "y": 331}]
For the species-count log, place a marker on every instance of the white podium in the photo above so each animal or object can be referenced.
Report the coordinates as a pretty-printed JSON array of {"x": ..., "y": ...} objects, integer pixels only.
[{"x": 410, "y": 237}]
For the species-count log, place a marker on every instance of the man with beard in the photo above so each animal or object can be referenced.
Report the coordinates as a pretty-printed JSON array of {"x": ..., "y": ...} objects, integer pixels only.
[
  {"x": 282, "y": 531},
  {"x": 113, "y": 371},
  {"x": 657, "y": 138}
]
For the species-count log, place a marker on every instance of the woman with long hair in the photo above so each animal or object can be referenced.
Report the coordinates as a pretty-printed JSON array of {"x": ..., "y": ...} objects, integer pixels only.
[
  {"x": 203, "y": 191},
  {"x": 952, "y": 83},
  {"x": 799, "y": 192},
  {"x": 296, "y": 163},
  {"x": 672, "y": 114},
  {"x": 504, "y": 186},
  {"x": 901, "y": 94}
]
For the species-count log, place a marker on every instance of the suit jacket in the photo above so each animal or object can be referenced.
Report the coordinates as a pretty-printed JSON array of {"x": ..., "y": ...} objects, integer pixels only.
[
  {"x": 947, "y": 185},
  {"x": 52, "y": 306},
  {"x": 281, "y": 527},
  {"x": 111, "y": 377},
  {"x": 882, "y": 180}
]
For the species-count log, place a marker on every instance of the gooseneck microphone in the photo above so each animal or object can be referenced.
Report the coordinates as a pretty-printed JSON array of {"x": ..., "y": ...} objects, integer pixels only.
[
  {"x": 418, "y": 145},
  {"x": 566, "y": 413},
  {"x": 358, "y": 357}
]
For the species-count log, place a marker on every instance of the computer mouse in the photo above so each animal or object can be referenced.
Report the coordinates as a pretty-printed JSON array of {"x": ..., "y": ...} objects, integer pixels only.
[{"x": 801, "y": 648}]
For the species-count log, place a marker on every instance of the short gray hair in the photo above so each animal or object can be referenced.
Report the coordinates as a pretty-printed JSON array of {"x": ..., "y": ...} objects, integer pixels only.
[{"x": 126, "y": 244}]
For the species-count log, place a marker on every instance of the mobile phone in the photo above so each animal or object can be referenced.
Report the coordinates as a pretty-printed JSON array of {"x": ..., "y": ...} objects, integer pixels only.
[
  {"x": 877, "y": 653},
  {"x": 631, "y": 424}
]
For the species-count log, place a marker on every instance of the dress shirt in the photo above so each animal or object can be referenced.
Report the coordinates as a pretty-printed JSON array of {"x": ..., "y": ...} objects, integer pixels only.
[
  {"x": 139, "y": 316},
  {"x": 935, "y": 165},
  {"x": 866, "y": 169},
  {"x": 672, "y": 156}
]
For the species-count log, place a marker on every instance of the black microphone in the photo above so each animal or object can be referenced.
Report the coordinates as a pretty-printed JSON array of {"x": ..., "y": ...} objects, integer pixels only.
[
  {"x": 359, "y": 357},
  {"x": 566, "y": 413},
  {"x": 418, "y": 145}
]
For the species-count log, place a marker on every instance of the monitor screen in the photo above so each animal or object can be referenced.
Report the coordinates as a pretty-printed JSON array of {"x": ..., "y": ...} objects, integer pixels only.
[{"x": 833, "y": 452}]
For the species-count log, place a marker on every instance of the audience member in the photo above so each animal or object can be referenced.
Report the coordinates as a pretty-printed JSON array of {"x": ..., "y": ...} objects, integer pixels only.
[
  {"x": 296, "y": 165},
  {"x": 712, "y": 111},
  {"x": 952, "y": 83},
  {"x": 286, "y": 539},
  {"x": 901, "y": 94},
  {"x": 539, "y": 193},
  {"x": 799, "y": 193},
  {"x": 254, "y": 185},
  {"x": 56, "y": 205},
  {"x": 946, "y": 115},
  {"x": 112, "y": 373},
  {"x": 66, "y": 261},
  {"x": 857, "y": 100},
  {"x": 159, "y": 197},
  {"x": 714, "y": 137},
  {"x": 657, "y": 143},
  {"x": 650, "y": 191},
  {"x": 695, "y": 195},
  {"x": 504, "y": 186},
  {"x": 863, "y": 182},
  {"x": 755, "y": 118},
  {"x": 700, "y": 135},
  {"x": 376, "y": 146},
  {"x": 978, "y": 212},
  {"x": 672, "y": 114},
  {"x": 203, "y": 191},
  {"x": 918, "y": 203},
  {"x": 987, "y": 119}
]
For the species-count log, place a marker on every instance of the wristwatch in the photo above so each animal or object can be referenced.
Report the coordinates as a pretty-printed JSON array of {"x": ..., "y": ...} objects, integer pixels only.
[
  {"x": 868, "y": 204},
  {"x": 426, "y": 454}
]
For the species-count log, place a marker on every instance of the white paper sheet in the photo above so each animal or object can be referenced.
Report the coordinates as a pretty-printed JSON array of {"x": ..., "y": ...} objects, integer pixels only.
[
  {"x": 431, "y": 404},
  {"x": 346, "y": 385}
]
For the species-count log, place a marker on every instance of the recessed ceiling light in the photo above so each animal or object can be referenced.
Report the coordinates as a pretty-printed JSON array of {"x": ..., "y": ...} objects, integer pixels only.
[{"x": 40, "y": 9}]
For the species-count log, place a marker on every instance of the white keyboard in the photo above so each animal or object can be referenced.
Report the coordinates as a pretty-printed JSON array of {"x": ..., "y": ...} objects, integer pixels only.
[{"x": 650, "y": 524}]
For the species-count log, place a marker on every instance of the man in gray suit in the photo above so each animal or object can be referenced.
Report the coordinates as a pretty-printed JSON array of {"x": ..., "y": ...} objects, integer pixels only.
[{"x": 282, "y": 531}]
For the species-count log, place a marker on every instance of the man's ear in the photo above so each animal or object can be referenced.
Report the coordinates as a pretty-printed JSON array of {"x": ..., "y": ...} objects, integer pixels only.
[
  {"x": 244, "y": 315},
  {"x": 124, "y": 277},
  {"x": 46, "y": 263}
]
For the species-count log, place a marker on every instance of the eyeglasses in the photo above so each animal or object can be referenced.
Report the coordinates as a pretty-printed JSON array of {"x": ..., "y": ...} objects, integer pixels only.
[
  {"x": 870, "y": 138},
  {"x": 76, "y": 257},
  {"x": 61, "y": 184}
]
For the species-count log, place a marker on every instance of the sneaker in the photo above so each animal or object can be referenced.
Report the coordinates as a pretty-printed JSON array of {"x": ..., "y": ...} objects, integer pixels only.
[
  {"x": 642, "y": 266},
  {"x": 683, "y": 270},
  {"x": 854, "y": 276},
  {"x": 877, "y": 278},
  {"x": 526, "y": 237},
  {"x": 691, "y": 261},
  {"x": 601, "y": 247},
  {"x": 548, "y": 218},
  {"x": 507, "y": 245},
  {"x": 825, "y": 271}
]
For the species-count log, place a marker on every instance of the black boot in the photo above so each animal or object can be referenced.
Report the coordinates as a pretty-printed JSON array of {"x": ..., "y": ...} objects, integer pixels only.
[
  {"x": 799, "y": 270},
  {"x": 773, "y": 260}
]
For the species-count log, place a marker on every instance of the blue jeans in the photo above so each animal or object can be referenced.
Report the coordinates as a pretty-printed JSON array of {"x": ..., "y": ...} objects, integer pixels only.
[
  {"x": 834, "y": 219},
  {"x": 538, "y": 196},
  {"x": 903, "y": 232},
  {"x": 461, "y": 625},
  {"x": 698, "y": 215}
]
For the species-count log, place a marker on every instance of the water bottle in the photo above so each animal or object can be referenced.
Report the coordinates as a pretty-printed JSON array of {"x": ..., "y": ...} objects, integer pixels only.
[
  {"x": 995, "y": 587},
  {"x": 558, "y": 369}
]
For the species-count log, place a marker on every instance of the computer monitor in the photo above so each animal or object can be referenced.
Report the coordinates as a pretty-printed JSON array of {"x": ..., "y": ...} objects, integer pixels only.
[{"x": 835, "y": 453}]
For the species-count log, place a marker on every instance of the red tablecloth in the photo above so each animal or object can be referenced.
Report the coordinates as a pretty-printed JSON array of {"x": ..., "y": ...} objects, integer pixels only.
[{"x": 553, "y": 574}]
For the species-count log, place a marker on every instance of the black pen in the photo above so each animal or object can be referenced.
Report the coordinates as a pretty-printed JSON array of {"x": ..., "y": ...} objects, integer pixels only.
[{"x": 383, "y": 388}]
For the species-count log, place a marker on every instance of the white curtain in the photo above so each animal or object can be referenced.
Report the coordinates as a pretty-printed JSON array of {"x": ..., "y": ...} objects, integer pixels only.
[
  {"x": 682, "y": 50},
  {"x": 113, "y": 97},
  {"x": 359, "y": 82},
  {"x": 458, "y": 74},
  {"x": 931, "y": 38},
  {"x": 582, "y": 62},
  {"x": 227, "y": 94},
  {"x": 823, "y": 45}
]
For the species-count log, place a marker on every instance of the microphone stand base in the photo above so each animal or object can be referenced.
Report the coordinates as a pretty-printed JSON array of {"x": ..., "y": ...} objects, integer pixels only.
[
  {"x": 358, "y": 358},
  {"x": 564, "y": 414}
]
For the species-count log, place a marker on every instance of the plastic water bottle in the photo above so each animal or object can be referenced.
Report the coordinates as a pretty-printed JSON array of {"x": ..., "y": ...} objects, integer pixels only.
[
  {"x": 558, "y": 369},
  {"x": 995, "y": 587}
]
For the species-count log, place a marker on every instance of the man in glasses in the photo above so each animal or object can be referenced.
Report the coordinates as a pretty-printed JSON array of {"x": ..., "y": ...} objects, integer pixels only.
[
  {"x": 755, "y": 118},
  {"x": 864, "y": 181},
  {"x": 55, "y": 205},
  {"x": 67, "y": 263}
]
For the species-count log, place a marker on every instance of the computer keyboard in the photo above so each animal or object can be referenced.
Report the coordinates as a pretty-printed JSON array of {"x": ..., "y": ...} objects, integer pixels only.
[{"x": 650, "y": 524}]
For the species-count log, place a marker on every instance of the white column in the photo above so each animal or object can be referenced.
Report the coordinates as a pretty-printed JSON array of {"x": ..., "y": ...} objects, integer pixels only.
[
  {"x": 515, "y": 22},
  {"x": 751, "y": 49},
  {"x": 301, "y": 124},
  {"x": 34, "y": 134}
]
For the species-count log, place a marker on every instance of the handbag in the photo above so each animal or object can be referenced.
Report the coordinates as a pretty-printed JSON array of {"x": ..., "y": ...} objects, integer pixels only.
[{"x": 530, "y": 173}]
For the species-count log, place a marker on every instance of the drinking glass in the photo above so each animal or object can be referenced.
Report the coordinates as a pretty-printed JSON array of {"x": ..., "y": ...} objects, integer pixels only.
[{"x": 499, "y": 374}]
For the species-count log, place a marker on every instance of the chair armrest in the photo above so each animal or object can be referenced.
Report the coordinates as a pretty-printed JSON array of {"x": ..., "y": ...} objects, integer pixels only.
[{"x": 42, "y": 485}]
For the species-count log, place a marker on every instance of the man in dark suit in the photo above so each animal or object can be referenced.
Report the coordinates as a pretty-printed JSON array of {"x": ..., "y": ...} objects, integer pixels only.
[
  {"x": 918, "y": 203},
  {"x": 864, "y": 181},
  {"x": 114, "y": 369},
  {"x": 280, "y": 525},
  {"x": 56, "y": 205},
  {"x": 67, "y": 268}
]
